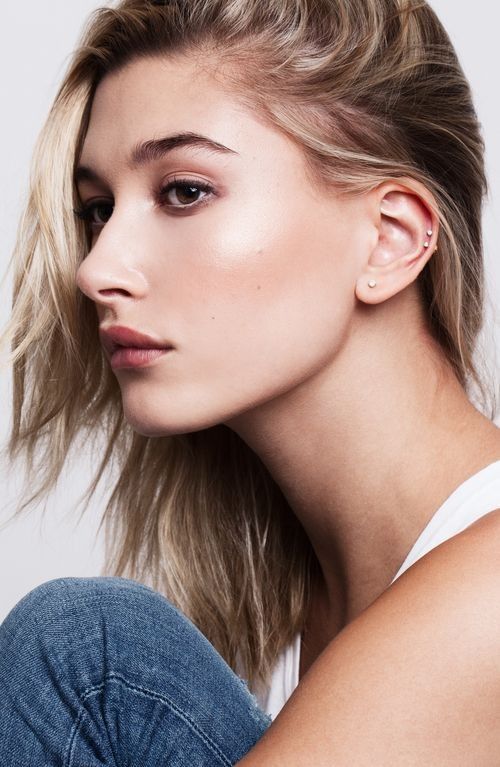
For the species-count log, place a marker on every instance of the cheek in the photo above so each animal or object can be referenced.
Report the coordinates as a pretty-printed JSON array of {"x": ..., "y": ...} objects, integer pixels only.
[{"x": 270, "y": 300}]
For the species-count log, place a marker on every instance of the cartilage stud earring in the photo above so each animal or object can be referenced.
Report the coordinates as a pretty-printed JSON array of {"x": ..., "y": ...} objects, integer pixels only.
[{"x": 372, "y": 284}]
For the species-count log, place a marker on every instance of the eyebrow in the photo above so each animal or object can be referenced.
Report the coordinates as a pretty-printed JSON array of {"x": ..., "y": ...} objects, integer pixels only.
[{"x": 156, "y": 149}]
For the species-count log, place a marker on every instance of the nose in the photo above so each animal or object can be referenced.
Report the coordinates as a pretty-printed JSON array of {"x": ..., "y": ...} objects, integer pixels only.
[{"x": 111, "y": 271}]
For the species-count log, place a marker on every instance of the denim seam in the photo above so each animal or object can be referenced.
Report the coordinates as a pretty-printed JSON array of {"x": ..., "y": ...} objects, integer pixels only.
[{"x": 147, "y": 693}]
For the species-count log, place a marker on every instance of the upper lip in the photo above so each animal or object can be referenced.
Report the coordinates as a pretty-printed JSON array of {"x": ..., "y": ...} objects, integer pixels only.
[{"x": 114, "y": 337}]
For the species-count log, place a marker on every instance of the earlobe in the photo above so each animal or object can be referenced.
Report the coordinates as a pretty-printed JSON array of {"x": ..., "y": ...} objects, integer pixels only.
[{"x": 407, "y": 236}]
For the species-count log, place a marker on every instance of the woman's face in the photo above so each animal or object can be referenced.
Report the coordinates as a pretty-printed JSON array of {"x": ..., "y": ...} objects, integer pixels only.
[{"x": 247, "y": 270}]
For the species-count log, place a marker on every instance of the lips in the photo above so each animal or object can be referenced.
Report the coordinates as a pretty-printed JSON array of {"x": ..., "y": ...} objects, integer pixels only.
[{"x": 114, "y": 338}]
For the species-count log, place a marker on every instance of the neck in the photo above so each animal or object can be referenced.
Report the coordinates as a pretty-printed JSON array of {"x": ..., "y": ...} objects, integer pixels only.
[{"x": 366, "y": 450}]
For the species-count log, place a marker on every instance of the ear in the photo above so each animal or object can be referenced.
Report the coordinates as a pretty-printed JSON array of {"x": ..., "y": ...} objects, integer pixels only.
[{"x": 407, "y": 223}]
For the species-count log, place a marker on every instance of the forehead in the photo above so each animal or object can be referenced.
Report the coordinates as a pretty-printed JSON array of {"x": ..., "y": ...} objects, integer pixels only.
[{"x": 153, "y": 97}]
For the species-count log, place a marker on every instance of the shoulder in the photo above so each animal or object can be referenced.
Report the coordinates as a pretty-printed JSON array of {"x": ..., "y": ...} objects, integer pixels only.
[
  {"x": 419, "y": 669},
  {"x": 414, "y": 680},
  {"x": 455, "y": 589},
  {"x": 466, "y": 565},
  {"x": 434, "y": 634}
]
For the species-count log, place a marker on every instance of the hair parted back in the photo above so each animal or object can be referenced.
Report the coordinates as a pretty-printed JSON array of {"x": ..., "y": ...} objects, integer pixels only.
[{"x": 371, "y": 90}]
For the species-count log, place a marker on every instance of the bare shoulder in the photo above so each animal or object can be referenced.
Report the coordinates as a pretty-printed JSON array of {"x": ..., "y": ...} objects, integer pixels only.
[
  {"x": 413, "y": 680},
  {"x": 474, "y": 552},
  {"x": 463, "y": 571}
]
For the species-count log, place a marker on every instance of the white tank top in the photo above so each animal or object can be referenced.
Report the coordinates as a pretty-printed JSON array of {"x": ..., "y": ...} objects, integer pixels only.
[{"x": 474, "y": 498}]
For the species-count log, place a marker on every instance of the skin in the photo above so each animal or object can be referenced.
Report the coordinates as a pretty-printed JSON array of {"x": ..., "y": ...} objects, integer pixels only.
[{"x": 263, "y": 292}]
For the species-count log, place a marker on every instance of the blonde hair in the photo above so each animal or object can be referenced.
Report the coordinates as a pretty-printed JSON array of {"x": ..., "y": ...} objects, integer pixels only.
[{"x": 370, "y": 90}]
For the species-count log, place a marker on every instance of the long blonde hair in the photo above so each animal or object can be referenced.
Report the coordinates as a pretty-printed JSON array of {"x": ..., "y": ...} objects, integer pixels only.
[{"x": 370, "y": 90}]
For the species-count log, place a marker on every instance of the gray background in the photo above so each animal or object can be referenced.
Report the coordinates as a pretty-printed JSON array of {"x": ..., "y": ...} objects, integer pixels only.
[{"x": 37, "y": 40}]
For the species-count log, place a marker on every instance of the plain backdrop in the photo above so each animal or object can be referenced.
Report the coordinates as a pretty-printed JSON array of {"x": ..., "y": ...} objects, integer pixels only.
[{"x": 37, "y": 41}]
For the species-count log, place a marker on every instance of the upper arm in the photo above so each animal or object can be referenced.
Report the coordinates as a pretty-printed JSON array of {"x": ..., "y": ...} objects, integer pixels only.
[{"x": 413, "y": 680}]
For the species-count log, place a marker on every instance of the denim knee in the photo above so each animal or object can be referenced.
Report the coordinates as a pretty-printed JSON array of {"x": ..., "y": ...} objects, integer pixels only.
[
  {"x": 38, "y": 608},
  {"x": 88, "y": 628},
  {"x": 107, "y": 665},
  {"x": 56, "y": 590}
]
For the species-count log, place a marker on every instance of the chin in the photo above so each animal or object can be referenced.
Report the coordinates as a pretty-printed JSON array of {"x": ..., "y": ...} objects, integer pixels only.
[
  {"x": 193, "y": 410},
  {"x": 149, "y": 425},
  {"x": 155, "y": 429}
]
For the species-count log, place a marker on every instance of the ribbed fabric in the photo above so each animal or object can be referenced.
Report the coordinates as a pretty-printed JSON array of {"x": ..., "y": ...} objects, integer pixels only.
[{"x": 474, "y": 498}]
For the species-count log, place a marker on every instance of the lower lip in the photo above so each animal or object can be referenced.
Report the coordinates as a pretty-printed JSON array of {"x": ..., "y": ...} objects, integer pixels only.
[{"x": 132, "y": 357}]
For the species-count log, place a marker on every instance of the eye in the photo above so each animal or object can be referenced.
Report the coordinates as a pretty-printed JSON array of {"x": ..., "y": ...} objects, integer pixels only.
[
  {"x": 189, "y": 189},
  {"x": 96, "y": 213}
]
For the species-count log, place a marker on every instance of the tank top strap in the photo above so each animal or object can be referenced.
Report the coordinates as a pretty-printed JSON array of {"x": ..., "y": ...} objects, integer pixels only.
[{"x": 474, "y": 498}]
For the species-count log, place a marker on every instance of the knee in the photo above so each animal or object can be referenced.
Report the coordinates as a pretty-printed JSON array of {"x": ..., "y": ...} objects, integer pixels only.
[
  {"x": 75, "y": 602},
  {"x": 88, "y": 626}
]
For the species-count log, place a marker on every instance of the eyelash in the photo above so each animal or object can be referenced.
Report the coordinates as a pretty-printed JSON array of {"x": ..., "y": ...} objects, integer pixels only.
[{"x": 86, "y": 212}]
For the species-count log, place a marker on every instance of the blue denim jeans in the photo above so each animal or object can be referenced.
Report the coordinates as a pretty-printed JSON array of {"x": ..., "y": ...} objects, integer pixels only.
[{"x": 106, "y": 671}]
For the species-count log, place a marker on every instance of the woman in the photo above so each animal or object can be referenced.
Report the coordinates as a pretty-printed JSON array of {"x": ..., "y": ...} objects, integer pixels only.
[{"x": 251, "y": 259}]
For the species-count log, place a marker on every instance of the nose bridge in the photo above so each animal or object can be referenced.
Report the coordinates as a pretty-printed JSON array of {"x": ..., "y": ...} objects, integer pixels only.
[{"x": 113, "y": 263}]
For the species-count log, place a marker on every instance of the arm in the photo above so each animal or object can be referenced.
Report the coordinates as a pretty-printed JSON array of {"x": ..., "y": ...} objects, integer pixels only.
[{"x": 414, "y": 680}]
